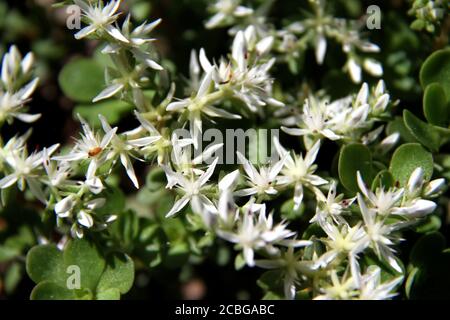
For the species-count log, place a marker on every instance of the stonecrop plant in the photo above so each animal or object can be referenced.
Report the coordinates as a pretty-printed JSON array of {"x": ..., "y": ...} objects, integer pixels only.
[{"x": 294, "y": 156}]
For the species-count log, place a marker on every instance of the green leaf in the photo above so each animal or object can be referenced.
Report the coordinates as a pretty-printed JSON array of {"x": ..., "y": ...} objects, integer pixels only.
[
  {"x": 112, "y": 110},
  {"x": 47, "y": 290},
  {"x": 46, "y": 263},
  {"x": 436, "y": 68},
  {"x": 398, "y": 125},
  {"x": 383, "y": 179},
  {"x": 272, "y": 281},
  {"x": 288, "y": 212},
  {"x": 110, "y": 294},
  {"x": 177, "y": 255},
  {"x": 354, "y": 157},
  {"x": 407, "y": 158},
  {"x": 82, "y": 79},
  {"x": 7, "y": 253},
  {"x": 119, "y": 274},
  {"x": 435, "y": 105},
  {"x": 156, "y": 179},
  {"x": 429, "y": 224},
  {"x": 12, "y": 277},
  {"x": 427, "y": 249},
  {"x": 86, "y": 256},
  {"x": 425, "y": 133}
]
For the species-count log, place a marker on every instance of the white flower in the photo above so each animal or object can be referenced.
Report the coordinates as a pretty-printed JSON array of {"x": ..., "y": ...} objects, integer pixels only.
[
  {"x": 371, "y": 287},
  {"x": 24, "y": 169},
  {"x": 343, "y": 242},
  {"x": 57, "y": 173},
  {"x": 291, "y": 265},
  {"x": 314, "y": 121},
  {"x": 339, "y": 289},
  {"x": 192, "y": 188},
  {"x": 226, "y": 10},
  {"x": 249, "y": 80},
  {"x": 121, "y": 148},
  {"x": 384, "y": 202},
  {"x": 332, "y": 206},
  {"x": 262, "y": 181},
  {"x": 299, "y": 171},
  {"x": 100, "y": 18},
  {"x": 90, "y": 147},
  {"x": 13, "y": 98},
  {"x": 14, "y": 67},
  {"x": 256, "y": 231},
  {"x": 137, "y": 38},
  {"x": 379, "y": 233},
  {"x": 198, "y": 105}
]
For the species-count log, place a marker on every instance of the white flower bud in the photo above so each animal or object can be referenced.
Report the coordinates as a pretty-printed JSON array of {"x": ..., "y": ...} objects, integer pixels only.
[
  {"x": 373, "y": 67},
  {"x": 415, "y": 180},
  {"x": 63, "y": 207},
  {"x": 434, "y": 187},
  {"x": 85, "y": 219}
]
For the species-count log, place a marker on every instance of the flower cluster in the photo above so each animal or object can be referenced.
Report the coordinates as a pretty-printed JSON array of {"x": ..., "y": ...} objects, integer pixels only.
[
  {"x": 314, "y": 31},
  {"x": 350, "y": 118},
  {"x": 348, "y": 236},
  {"x": 428, "y": 14}
]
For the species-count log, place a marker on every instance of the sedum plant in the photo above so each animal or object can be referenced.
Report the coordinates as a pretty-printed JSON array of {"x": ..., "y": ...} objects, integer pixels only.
[{"x": 348, "y": 204}]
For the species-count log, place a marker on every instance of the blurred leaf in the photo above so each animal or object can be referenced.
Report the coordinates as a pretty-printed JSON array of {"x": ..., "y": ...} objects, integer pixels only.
[
  {"x": 112, "y": 110},
  {"x": 82, "y": 79}
]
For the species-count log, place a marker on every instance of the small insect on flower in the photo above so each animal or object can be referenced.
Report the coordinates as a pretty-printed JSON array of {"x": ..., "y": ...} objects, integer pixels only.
[{"x": 94, "y": 151}]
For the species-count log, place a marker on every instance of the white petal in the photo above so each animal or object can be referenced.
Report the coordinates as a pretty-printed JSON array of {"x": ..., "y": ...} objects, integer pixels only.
[
  {"x": 108, "y": 92},
  {"x": 178, "y": 205},
  {"x": 8, "y": 181}
]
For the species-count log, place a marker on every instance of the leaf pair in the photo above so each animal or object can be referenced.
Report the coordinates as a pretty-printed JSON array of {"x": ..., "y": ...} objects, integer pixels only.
[{"x": 78, "y": 272}]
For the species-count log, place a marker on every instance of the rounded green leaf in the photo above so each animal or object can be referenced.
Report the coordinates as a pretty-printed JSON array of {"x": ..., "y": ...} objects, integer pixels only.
[
  {"x": 435, "y": 105},
  {"x": 45, "y": 262},
  {"x": 425, "y": 133},
  {"x": 383, "y": 179},
  {"x": 112, "y": 110},
  {"x": 47, "y": 290},
  {"x": 427, "y": 248},
  {"x": 353, "y": 158},
  {"x": 86, "y": 256},
  {"x": 407, "y": 158},
  {"x": 436, "y": 68},
  {"x": 119, "y": 274},
  {"x": 82, "y": 79}
]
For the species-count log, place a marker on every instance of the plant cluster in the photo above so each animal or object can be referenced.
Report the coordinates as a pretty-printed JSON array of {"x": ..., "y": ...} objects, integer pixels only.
[{"x": 348, "y": 183}]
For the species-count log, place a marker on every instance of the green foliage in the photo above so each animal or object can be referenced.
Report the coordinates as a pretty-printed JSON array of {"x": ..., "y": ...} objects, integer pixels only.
[
  {"x": 112, "y": 110},
  {"x": 79, "y": 271},
  {"x": 435, "y": 106},
  {"x": 436, "y": 69},
  {"x": 82, "y": 79},
  {"x": 354, "y": 158},
  {"x": 407, "y": 158},
  {"x": 428, "y": 276}
]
